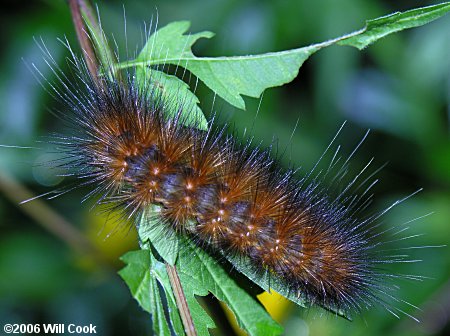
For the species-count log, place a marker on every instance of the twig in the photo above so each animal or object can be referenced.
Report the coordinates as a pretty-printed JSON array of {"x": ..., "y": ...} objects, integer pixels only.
[
  {"x": 183, "y": 307},
  {"x": 47, "y": 217}
]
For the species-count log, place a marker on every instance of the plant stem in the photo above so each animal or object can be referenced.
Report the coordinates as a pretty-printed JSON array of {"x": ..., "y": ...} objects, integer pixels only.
[
  {"x": 83, "y": 36},
  {"x": 183, "y": 307}
]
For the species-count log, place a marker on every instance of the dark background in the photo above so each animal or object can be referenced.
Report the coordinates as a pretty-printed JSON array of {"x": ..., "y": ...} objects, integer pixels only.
[{"x": 399, "y": 88}]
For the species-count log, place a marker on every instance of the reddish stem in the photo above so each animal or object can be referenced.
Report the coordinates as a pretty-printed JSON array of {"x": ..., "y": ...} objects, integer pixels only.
[{"x": 83, "y": 36}]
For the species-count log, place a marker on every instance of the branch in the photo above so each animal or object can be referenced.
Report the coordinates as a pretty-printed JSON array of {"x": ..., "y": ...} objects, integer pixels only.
[{"x": 47, "y": 217}]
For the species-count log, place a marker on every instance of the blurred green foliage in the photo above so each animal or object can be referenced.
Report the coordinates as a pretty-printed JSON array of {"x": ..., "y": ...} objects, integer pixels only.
[{"x": 399, "y": 88}]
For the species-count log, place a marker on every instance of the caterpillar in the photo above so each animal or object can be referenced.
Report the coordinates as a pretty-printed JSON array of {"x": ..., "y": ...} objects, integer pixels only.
[
  {"x": 238, "y": 197},
  {"x": 224, "y": 194}
]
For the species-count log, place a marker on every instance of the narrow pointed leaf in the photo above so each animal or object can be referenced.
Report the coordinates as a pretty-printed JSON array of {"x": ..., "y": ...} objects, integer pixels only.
[{"x": 381, "y": 27}]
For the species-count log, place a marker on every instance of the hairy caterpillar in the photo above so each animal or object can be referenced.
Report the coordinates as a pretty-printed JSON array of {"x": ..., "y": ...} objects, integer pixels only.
[
  {"x": 120, "y": 152},
  {"x": 240, "y": 200}
]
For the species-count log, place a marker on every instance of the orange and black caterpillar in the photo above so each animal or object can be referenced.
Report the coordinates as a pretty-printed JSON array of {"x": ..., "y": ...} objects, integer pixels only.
[{"x": 224, "y": 194}]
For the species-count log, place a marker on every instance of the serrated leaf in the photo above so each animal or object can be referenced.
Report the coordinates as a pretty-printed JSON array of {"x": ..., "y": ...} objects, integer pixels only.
[
  {"x": 232, "y": 77},
  {"x": 229, "y": 77},
  {"x": 383, "y": 26},
  {"x": 265, "y": 281},
  {"x": 179, "y": 101},
  {"x": 269, "y": 283},
  {"x": 200, "y": 273},
  {"x": 152, "y": 230},
  {"x": 170, "y": 43},
  {"x": 140, "y": 273}
]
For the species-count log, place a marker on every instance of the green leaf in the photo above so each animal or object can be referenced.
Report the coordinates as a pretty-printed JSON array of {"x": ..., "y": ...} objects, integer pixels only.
[
  {"x": 232, "y": 77},
  {"x": 199, "y": 274},
  {"x": 103, "y": 52},
  {"x": 378, "y": 28},
  {"x": 265, "y": 281},
  {"x": 268, "y": 282},
  {"x": 229, "y": 77},
  {"x": 170, "y": 43},
  {"x": 152, "y": 230},
  {"x": 140, "y": 274},
  {"x": 175, "y": 95}
]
